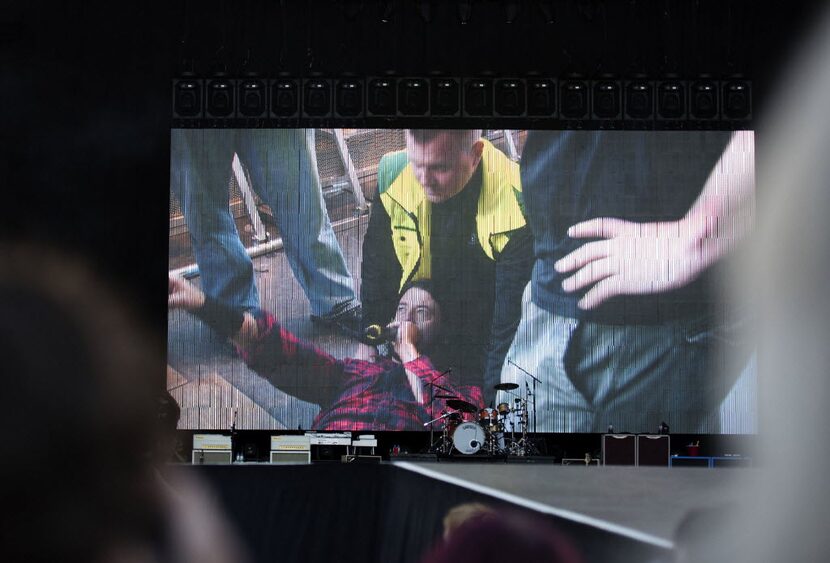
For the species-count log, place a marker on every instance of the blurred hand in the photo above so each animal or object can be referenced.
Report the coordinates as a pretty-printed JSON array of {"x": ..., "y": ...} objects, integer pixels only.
[
  {"x": 635, "y": 258},
  {"x": 182, "y": 294},
  {"x": 406, "y": 341}
]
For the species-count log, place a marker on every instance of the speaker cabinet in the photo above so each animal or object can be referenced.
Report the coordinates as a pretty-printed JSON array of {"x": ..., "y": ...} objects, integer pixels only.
[
  {"x": 653, "y": 449},
  {"x": 619, "y": 449},
  {"x": 291, "y": 457},
  {"x": 212, "y": 457}
]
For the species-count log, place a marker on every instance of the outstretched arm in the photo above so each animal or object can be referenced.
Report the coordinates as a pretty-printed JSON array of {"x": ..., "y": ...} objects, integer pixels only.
[
  {"x": 645, "y": 258},
  {"x": 264, "y": 345}
]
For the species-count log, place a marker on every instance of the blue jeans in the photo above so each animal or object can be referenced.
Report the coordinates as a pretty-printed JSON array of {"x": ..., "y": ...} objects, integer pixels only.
[
  {"x": 630, "y": 376},
  {"x": 282, "y": 165}
]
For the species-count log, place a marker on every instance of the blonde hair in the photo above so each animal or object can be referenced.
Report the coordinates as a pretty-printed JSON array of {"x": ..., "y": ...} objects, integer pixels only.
[{"x": 463, "y": 513}]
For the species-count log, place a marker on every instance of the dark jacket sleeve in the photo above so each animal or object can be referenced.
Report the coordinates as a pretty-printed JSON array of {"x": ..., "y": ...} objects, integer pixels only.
[
  {"x": 513, "y": 269},
  {"x": 380, "y": 271}
]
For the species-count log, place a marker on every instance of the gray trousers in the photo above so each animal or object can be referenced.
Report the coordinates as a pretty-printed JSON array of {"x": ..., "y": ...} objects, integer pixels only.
[{"x": 630, "y": 376}]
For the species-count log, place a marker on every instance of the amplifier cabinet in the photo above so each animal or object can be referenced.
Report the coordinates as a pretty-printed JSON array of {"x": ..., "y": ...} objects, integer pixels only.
[
  {"x": 619, "y": 449},
  {"x": 211, "y": 457},
  {"x": 292, "y": 457},
  {"x": 653, "y": 449}
]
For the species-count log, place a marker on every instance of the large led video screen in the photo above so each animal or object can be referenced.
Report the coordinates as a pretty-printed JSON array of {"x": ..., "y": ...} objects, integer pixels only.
[{"x": 377, "y": 279}]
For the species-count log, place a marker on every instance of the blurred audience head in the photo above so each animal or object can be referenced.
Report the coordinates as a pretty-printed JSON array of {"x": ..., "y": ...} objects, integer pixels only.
[
  {"x": 78, "y": 380},
  {"x": 785, "y": 508},
  {"x": 478, "y": 533},
  {"x": 463, "y": 513}
]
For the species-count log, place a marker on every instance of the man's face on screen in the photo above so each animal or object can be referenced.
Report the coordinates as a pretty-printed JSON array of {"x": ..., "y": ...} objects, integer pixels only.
[
  {"x": 443, "y": 164},
  {"x": 417, "y": 306}
]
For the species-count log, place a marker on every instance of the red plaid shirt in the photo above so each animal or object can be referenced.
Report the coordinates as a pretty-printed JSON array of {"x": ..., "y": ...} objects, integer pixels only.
[{"x": 353, "y": 394}]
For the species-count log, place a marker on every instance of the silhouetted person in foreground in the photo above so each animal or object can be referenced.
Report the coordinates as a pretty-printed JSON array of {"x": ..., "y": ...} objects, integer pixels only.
[{"x": 80, "y": 421}]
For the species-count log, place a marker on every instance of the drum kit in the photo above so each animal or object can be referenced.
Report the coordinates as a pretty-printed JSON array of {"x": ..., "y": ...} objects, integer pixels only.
[{"x": 500, "y": 431}]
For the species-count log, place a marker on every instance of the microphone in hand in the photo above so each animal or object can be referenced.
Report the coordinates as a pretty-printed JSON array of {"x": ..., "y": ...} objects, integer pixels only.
[{"x": 377, "y": 334}]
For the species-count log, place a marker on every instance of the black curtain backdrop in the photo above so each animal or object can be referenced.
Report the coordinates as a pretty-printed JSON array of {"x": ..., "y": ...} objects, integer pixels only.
[{"x": 368, "y": 513}]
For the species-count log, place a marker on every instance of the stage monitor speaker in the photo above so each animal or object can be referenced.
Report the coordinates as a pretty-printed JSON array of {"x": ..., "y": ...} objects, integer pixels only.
[
  {"x": 212, "y": 457},
  {"x": 619, "y": 449},
  {"x": 653, "y": 449},
  {"x": 291, "y": 457}
]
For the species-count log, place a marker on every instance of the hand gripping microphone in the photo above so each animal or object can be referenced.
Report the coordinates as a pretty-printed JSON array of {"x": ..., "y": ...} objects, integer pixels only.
[{"x": 376, "y": 334}]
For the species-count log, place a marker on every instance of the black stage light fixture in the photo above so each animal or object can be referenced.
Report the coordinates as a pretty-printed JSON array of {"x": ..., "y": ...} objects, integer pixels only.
[
  {"x": 252, "y": 97},
  {"x": 511, "y": 11},
  {"x": 316, "y": 97},
  {"x": 548, "y": 11},
  {"x": 187, "y": 97},
  {"x": 510, "y": 97},
  {"x": 639, "y": 99},
  {"x": 445, "y": 96},
  {"x": 541, "y": 97},
  {"x": 465, "y": 11},
  {"x": 703, "y": 103},
  {"x": 220, "y": 96},
  {"x": 606, "y": 99},
  {"x": 387, "y": 10},
  {"x": 413, "y": 96},
  {"x": 381, "y": 97},
  {"x": 425, "y": 9},
  {"x": 737, "y": 99},
  {"x": 573, "y": 99},
  {"x": 478, "y": 97},
  {"x": 348, "y": 97},
  {"x": 671, "y": 99},
  {"x": 285, "y": 97}
]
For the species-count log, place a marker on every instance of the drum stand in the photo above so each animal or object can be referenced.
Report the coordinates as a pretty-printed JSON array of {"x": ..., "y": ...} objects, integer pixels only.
[
  {"x": 442, "y": 445},
  {"x": 525, "y": 445},
  {"x": 443, "y": 440}
]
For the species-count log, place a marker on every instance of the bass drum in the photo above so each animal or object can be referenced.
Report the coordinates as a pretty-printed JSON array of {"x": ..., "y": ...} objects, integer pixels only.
[{"x": 468, "y": 438}]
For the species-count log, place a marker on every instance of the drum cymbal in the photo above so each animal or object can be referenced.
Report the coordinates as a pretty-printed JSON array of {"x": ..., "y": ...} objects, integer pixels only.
[
  {"x": 446, "y": 397},
  {"x": 462, "y": 406},
  {"x": 506, "y": 386}
]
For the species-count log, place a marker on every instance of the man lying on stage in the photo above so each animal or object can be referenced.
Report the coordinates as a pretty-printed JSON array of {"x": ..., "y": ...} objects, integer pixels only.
[{"x": 390, "y": 393}]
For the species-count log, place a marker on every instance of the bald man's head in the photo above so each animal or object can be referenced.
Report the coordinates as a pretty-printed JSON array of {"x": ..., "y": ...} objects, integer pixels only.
[{"x": 443, "y": 160}]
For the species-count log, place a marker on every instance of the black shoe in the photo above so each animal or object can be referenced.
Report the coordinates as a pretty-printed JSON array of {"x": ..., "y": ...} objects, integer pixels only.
[{"x": 347, "y": 321}]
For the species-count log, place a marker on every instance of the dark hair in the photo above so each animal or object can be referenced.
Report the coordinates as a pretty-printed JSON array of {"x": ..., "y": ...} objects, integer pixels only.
[
  {"x": 425, "y": 284},
  {"x": 509, "y": 535}
]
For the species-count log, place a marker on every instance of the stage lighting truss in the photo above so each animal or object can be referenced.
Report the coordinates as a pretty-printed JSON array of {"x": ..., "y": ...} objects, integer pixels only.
[
  {"x": 413, "y": 97},
  {"x": 381, "y": 97},
  {"x": 187, "y": 98},
  {"x": 574, "y": 99},
  {"x": 638, "y": 101},
  {"x": 285, "y": 98},
  {"x": 478, "y": 97},
  {"x": 348, "y": 98},
  {"x": 571, "y": 102},
  {"x": 221, "y": 95},
  {"x": 736, "y": 95},
  {"x": 510, "y": 98},
  {"x": 704, "y": 102},
  {"x": 671, "y": 100},
  {"x": 606, "y": 99},
  {"x": 541, "y": 97},
  {"x": 445, "y": 97},
  {"x": 252, "y": 94},
  {"x": 317, "y": 98}
]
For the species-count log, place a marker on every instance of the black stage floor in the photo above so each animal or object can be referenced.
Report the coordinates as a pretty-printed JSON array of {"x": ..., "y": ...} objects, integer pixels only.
[{"x": 642, "y": 503}]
